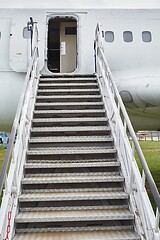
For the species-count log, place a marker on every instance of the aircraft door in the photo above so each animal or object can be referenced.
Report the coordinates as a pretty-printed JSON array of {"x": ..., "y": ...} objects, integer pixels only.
[
  {"x": 68, "y": 46},
  {"x": 62, "y": 45}
]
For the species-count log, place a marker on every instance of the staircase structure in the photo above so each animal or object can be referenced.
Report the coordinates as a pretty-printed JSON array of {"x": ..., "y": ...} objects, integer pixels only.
[
  {"x": 72, "y": 184},
  {"x": 73, "y": 174}
]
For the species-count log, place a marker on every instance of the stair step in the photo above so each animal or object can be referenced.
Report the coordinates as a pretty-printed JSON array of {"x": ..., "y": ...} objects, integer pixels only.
[
  {"x": 73, "y": 200},
  {"x": 71, "y": 120},
  {"x": 53, "y": 169},
  {"x": 71, "y": 141},
  {"x": 67, "y": 159},
  {"x": 69, "y": 196},
  {"x": 71, "y": 174},
  {"x": 69, "y": 113},
  {"x": 66, "y": 201},
  {"x": 87, "y": 206},
  {"x": 86, "y": 215},
  {"x": 85, "y": 235},
  {"x": 72, "y": 165},
  {"x": 68, "y": 190},
  {"x": 68, "y": 91},
  {"x": 79, "y": 121},
  {"x": 69, "y": 105},
  {"x": 82, "y": 129},
  {"x": 68, "y": 79},
  {"x": 69, "y": 98},
  {"x": 72, "y": 179},
  {"x": 78, "y": 220},
  {"x": 70, "y": 151},
  {"x": 67, "y": 85}
]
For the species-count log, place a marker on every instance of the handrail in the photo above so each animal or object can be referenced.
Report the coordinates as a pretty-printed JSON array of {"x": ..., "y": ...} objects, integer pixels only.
[
  {"x": 17, "y": 119},
  {"x": 99, "y": 53},
  {"x": 134, "y": 138}
]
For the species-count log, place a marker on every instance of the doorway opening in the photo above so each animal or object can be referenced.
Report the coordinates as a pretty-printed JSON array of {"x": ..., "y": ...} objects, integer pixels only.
[{"x": 62, "y": 45}]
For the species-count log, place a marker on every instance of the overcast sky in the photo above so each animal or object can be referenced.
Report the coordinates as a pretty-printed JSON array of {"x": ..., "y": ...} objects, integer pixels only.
[{"x": 80, "y": 3}]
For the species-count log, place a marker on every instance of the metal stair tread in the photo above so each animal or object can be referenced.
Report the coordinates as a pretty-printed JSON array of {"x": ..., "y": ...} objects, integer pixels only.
[
  {"x": 67, "y": 84},
  {"x": 115, "y": 189},
  {"x": 71, "y": 139},
  {"x": 73, "y": 215},
  {"x": 70, "y": 150},
  {"x": 66, "y": 208},
  {"x": 70, "y": 111},
  {"x": 69, "y": 104},
  {"x": 82, "y": 119},
  {"x": 89, "y": 235},
  {"x": 78, "y": 229},
  {"x": 70, "y": 128},
  {"x": 68, "y": 90},
  {"x": 72, "y": 165},
  {"x": 69, "y": 96},
  {"x": 72, "y": 196},
  {"x": 88, "y": 160},
  {"x": 69, "y": 79},
  {"x": 72, "y": 179},
  {"x": 71, "y": 174}
]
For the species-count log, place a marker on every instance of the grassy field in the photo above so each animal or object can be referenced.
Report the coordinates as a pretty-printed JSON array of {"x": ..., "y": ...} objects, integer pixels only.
[
  {"x": 2, "y": 154},
  {"x": 151, "y": 150}
]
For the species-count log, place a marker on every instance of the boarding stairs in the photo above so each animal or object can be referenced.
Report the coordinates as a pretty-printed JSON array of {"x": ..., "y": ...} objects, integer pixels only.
[
  {"x": 73, "y": 174},
  {"x": 73, "y": 185}
]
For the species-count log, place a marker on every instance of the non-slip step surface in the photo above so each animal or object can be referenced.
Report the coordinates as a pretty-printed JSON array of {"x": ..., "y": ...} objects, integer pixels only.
[
  {"x": 72, "y": 179},
  {"x": 64, "y": 98},
  {"x": 72, "y": 165},
  {"x": 85, "y": 215},
  {"x": 90, "y": 235},
  {"x": 67, "y": 85},
  {"x": 69, "y": 105},
  {"x": 70, "y": 131},
  {"x": 68, "y": 91},
  {"x": 63, "y": 120},
  {"x": 76, "y": 139},
  {"x": 70, "y": 150},
  {"x": 69, "y": 111},
  {"x": 83, "y": 195}
]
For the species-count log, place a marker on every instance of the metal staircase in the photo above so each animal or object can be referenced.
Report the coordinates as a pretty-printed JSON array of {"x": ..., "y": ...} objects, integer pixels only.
[{"x": 72, "y": 186}]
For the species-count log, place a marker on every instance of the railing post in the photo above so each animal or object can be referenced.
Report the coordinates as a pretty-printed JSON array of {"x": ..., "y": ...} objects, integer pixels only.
[{"x": 157, "y": 220}]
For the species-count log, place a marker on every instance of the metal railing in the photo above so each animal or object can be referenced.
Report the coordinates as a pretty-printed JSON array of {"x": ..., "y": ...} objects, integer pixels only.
[
  {"x": 147, "y": 224},
  {"x": 17, "y": 146}
]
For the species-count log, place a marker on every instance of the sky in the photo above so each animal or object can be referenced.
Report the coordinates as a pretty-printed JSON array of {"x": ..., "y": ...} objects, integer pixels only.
[{"x": 80, "y": 4}]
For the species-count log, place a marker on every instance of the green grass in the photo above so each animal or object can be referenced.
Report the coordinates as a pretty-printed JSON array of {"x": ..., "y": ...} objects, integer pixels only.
[
  {"x": 151, "y": 150},
  {"x": 2, "y": 155}
]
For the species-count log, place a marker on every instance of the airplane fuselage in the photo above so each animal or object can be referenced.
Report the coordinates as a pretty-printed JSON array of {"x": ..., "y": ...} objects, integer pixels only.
[{"x": 66, "y": 46}]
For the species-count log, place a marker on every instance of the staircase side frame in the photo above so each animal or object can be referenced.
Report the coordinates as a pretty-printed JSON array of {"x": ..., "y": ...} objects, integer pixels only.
[
  {"x": 16, "y": 152},
  {"x": 147, "y": 224}
]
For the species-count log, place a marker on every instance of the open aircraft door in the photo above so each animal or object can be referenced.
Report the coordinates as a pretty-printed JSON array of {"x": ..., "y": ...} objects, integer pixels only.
[{"x": 62, "y": 45}]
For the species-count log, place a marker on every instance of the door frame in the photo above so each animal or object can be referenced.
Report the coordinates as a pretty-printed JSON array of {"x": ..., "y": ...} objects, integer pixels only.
[{"x": 61, "y": 15}]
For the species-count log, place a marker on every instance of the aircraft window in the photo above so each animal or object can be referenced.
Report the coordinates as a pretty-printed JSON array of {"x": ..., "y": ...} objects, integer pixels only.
[
  {"x": 0, "y": 35},
  {"x": 109, "y": 36},
  {"x": 128, "y": 36},
  {"x": 146, "y": 36},
  {"x": 26, "y": 33}
]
